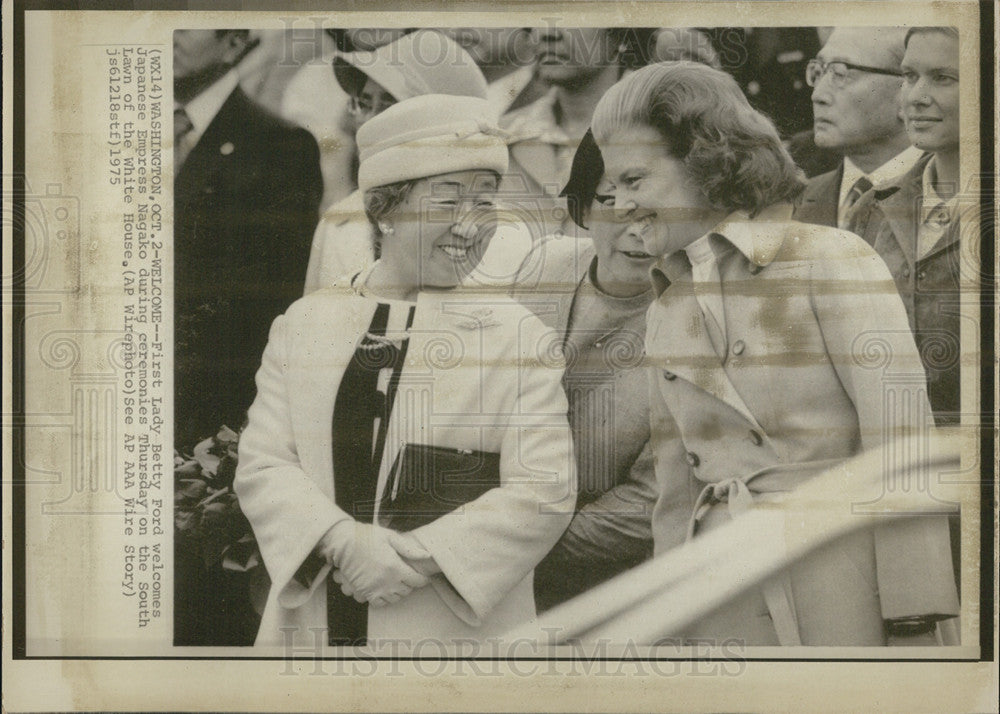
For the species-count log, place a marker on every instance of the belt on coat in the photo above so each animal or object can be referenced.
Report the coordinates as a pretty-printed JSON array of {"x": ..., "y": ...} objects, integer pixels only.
[{"x": 737, "y": 494}]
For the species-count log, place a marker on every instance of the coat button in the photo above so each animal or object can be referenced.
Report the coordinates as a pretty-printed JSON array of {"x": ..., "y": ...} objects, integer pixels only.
[
  {"x": 756, "y": 438},
  {"x": 921, "y": 275},
  {"x": 738, "y": 347},
  {"x": 669, "y": 376},
  {"x": 906, "y": 271},
  {"x": 693, "y": 460}
]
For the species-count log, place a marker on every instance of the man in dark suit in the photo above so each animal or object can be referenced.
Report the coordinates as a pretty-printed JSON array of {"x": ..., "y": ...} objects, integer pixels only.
[
  {"x": 246, "y": 196},
  {"x": 246, "y": 201},
  {"x": 856, "y": 82}
]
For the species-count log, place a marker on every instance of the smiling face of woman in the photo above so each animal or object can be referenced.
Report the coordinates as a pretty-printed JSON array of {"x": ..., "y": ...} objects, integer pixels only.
[
  {"x": 622, "y": 260},
  {"x": 439, "y": 233},
  {"x": 653, "y": 189}
]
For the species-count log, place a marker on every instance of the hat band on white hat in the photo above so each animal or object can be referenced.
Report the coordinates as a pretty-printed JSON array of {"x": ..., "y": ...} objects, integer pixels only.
[
  {"x": 456, "y": 130},
  {"x": 423, "y": 156}
]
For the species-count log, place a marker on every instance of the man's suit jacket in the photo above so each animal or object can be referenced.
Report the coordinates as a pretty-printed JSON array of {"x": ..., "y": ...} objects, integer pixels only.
[
  {"x": 480, "y": 374},
  {"x": 820, "y": 200},
  {"x": 246, "y": 204},
  {"x": 888, "y": 218},
  {"x": 818, "y": 346}
]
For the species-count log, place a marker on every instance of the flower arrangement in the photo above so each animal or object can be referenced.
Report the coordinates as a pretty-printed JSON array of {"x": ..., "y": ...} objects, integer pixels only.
[{"x": 210, "y": 527}]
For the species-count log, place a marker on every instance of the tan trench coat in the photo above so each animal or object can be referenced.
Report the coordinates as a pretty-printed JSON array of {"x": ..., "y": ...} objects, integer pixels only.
[{"x": 819, "y": 361}]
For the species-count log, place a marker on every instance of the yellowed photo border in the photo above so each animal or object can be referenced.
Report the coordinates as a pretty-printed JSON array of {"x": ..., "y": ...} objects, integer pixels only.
[{"x": 86, "y": 659}]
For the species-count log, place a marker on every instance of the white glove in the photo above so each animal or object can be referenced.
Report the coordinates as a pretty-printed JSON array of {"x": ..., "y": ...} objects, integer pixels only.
[
  {"x": 368, "y": 567},
  {"x": 413, "y": 553}
]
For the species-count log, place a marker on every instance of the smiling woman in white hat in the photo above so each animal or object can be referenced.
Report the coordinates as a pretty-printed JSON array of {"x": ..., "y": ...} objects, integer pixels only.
[
  {"x": 395, "y": 367},
  {"x": 420, "y": 63}
]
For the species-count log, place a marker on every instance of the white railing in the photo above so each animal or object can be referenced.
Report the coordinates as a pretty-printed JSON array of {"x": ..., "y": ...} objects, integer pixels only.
[{"x": 665, "y": 596}]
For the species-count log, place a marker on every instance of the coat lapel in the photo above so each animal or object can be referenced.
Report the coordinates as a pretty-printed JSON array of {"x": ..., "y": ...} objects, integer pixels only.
[
  {"x": 820, "y": 199},
  {"x": 434, "y": 384},
  {"x": 902, "y": 214},
  {"x": 220, "y": 144},
  {"x": 322, "y": 355},
  {"x": 689, "y": 353},
  {"x": 567, "y": 298},
  {"x": 950, "y": 237}
]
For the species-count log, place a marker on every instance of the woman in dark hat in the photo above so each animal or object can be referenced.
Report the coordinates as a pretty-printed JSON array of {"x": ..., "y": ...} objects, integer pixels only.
[{"x": 595, "y": 293}]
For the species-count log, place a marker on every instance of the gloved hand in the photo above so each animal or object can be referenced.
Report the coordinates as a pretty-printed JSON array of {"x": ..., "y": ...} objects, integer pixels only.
[
  {"x": 413, "y": 552},
  {"x": 368, "y": 567}
]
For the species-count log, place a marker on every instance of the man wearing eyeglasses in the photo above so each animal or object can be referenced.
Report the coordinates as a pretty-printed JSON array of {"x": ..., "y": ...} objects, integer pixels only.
[{"x": 856, "y": 82}]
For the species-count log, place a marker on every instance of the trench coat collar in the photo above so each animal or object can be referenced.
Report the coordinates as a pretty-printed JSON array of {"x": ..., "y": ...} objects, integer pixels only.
[
  {"x": 737, "y": 230},
  {"x": 679, "y": 326}
]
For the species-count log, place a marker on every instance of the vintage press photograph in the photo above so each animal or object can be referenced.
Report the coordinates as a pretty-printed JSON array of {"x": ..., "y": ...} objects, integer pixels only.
[
  {"x": 501, "y": 346},
  {"x": 510, "y": 311}
]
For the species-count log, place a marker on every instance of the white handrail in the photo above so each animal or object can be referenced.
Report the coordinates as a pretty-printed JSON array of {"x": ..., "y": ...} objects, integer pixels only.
[{"x": 669, "y": 593}]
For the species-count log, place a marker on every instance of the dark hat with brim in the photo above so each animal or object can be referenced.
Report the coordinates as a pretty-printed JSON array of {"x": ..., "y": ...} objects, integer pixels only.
[{"x": 584, "y": 177}]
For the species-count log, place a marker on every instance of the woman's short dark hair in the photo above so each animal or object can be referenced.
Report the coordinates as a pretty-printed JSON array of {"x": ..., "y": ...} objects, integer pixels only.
[{"x": 732, "y": 151}]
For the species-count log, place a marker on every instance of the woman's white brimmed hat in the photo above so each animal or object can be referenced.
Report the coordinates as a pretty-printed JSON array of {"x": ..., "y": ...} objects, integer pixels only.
[
  {"x": 429, "y": 135},
  {"x": 422, "y": 62}
]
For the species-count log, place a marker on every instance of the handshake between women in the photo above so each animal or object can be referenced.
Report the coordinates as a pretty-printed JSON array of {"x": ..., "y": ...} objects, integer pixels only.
[{"x": 374, "y": 564}]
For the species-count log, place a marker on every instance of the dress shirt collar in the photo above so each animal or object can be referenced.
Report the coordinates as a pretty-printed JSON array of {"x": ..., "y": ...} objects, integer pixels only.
[
  {"x": 737, "y": 230},
  {"x": 202, "y": 109},
  {"x": 700, "y": 251},
  {"x": 931, "y": 198},
  {"x": 896, "y": 166}
]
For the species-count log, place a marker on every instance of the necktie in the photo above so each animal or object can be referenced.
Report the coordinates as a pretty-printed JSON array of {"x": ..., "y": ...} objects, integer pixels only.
[
  {"x": 860, "y": 187},
  {"x": 182, "y": 138}
]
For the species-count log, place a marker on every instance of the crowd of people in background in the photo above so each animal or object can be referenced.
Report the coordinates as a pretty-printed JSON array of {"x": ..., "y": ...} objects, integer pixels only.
[{"x": 288, "y": 182}]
